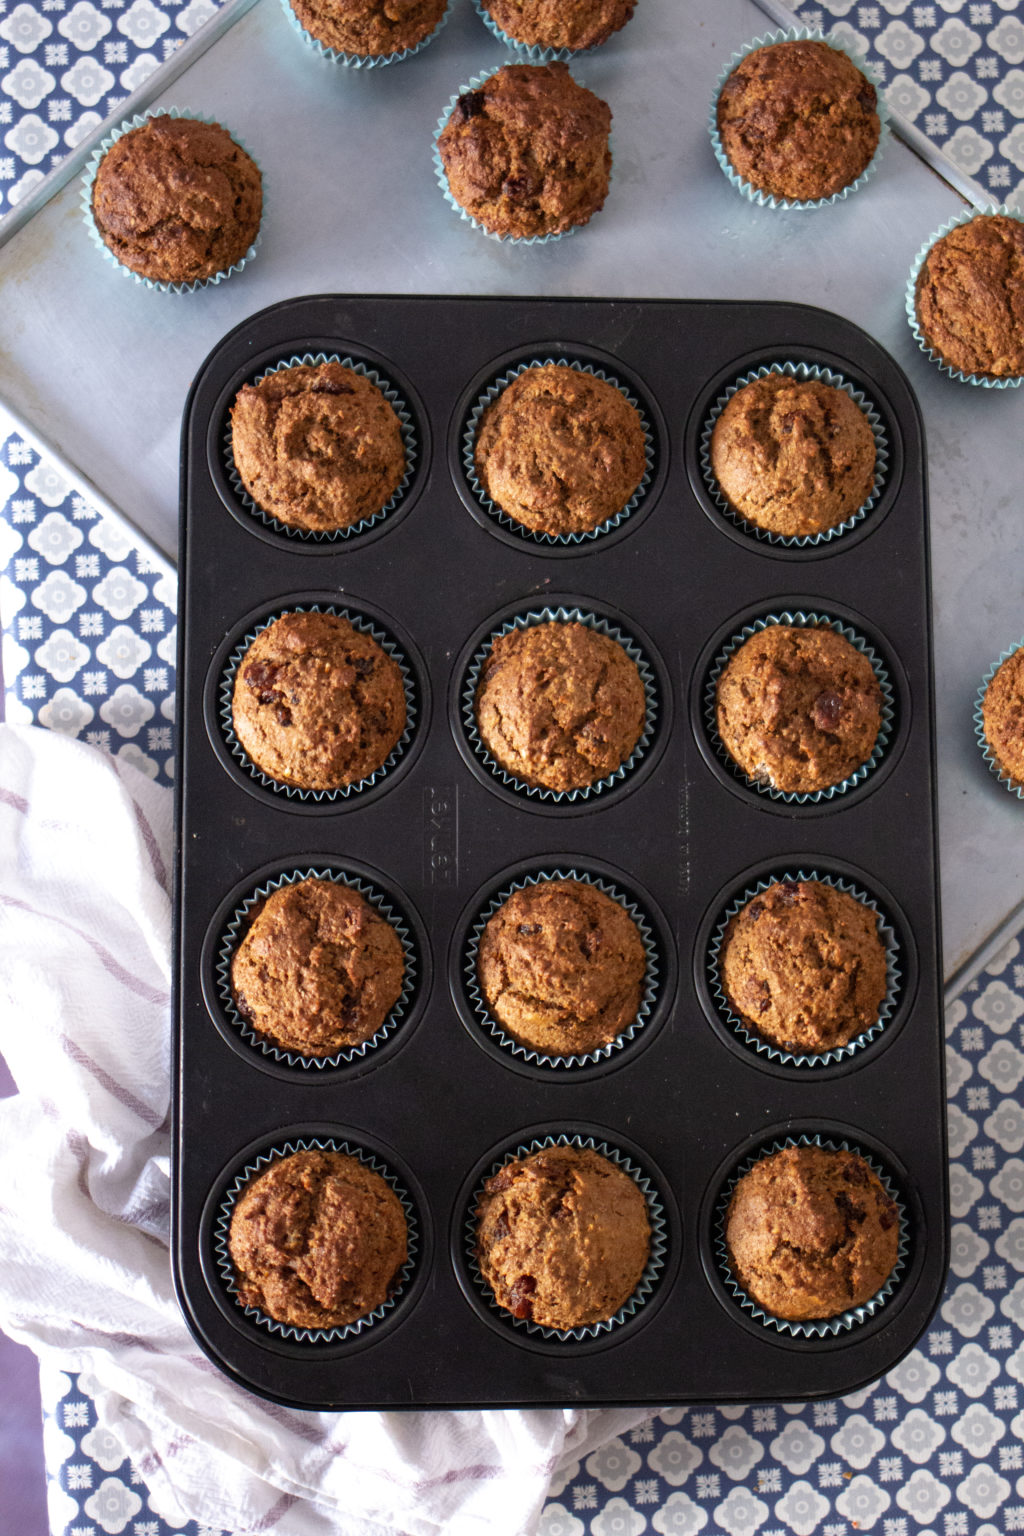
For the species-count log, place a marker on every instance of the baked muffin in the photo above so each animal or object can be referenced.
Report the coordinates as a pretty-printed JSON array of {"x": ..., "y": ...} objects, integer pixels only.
[
  {"x": 563, "y": 1237},
  {"x": 317, "y": 703},
  {"x": 798, "y": 120},
  {"x": 559, "y": 23},
  {"x": 561, "y": 966},
  {"x": 811, "y": 1233},
  {"x": 560, "y": 450},
  {"x": 798, "y": 708},
  {"x": 526, "y": 153},
  {"x": 318, "y": 1240},
  {"x": 1002, "y": 717},
  {"x": 969, "y": 297},
  {"x": 318, "y": 970},
  {"x": 370, "y": 28},
  {"x": 793, "y": 456},
  {"x": 317, "y": 445},
  {"x": 176, "y": 200},
  {"x": 803, "y": 965},
  {"x": 559, "y": 705}
]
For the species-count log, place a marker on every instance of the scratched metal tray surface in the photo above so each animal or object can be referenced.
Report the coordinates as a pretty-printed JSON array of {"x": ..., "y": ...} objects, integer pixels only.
[{"x": 439, "y": 1103}]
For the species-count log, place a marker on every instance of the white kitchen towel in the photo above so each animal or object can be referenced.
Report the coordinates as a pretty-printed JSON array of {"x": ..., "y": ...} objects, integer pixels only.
[{"x": 85, "y": 1026}]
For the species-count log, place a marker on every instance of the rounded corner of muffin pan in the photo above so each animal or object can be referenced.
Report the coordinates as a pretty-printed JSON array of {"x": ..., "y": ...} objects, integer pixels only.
[
  {"x": 847, "y": 876},
  {"x": 743, "y": 533},
  {"x": 505, "y": 529},
  {"x": 217, "y": 439}
]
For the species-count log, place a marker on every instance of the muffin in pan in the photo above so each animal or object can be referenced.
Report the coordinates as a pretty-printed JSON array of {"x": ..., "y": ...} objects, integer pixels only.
[
  {"x": 556, "y": 24},
  {"x": 966, "y": 298}
]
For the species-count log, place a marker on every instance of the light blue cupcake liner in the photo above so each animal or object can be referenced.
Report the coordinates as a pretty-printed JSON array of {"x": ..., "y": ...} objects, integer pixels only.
[
  {"x": 504, "y": 518},
  {"x": 647, "y": 1281},
  {"x": 328, "y": 535},
  {"x": 802, "y": 372},
  {"x": 799, "y": 35},
  {"x": 359, "y": 60},
  {"x": 807, "y": 621},
  {"x": 764, "y": 1047},
  {"x": 235, "y": 932},
  {"x": 85, "y": 198},
  {"x": 1007, "y": 780},
  {"x": 292, "y": 791},
  {"x": 495, "y": 1029},
  {"x": 562, "y": 616},
  {"x": 814, "y": 1328},
  {"x": 533, "y": 53},
  {"x": 225, "y": 1263},
  {"x": 987, "y": 381}
]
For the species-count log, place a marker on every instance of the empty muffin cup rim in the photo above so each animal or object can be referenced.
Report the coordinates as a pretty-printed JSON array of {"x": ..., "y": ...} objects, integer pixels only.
[
  {"x": 1008, "y": 781},
  {"x": 984, "y": 380},
  {"x": 361, "y": 60}
]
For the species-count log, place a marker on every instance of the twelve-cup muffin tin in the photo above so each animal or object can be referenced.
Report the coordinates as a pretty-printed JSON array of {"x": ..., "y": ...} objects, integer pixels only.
[{"x": 442, "y": 1098}]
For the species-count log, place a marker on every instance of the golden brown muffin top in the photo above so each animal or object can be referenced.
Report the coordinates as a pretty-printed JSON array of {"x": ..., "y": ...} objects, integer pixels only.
[
  {"x": 1002, "y": 715},
  {"x": 560, "y": 23},
  {"x": 970, "y": 297},
  {"x": 371, "y": 28}
]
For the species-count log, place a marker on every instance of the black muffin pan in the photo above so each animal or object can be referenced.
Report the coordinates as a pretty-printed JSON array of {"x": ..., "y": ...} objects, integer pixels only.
[{"x": 442, "y": 1099}]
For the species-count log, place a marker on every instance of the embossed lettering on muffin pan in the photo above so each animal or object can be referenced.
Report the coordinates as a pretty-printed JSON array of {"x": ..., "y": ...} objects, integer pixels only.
[{"x": 441, "y": 1096}]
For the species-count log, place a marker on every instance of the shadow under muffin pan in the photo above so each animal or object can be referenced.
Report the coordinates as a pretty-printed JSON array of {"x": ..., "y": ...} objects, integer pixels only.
[{"x": 440, "y": 1100}]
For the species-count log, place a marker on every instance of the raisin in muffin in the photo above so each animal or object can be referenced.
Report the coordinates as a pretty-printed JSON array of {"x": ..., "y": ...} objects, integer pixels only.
[
  {"x": 318, "y": 1240},
  {"x": 559, "y": 23},
  {"x": 1002, "y": 717},
  {"x": 369, "y": 28},
  {"x": 526, "y": 153},
  {"x": 563, "y": 1237},
  {"x": 804, "y": 966},
  {"x": 176, "y": 200},
  {"x": 561, "y": 966},
  {"x": 969, "y": 297},
  {"x": 317, "y": 703},
  {"x": 811, "y": 1233}
]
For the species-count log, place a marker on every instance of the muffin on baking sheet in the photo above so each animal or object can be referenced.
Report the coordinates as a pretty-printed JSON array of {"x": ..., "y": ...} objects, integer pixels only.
[
  {"x": 798, "y": 120},
  {"x": 524, "y": 153},
  {"x": 317, "y": 703},
  {"x": 317, "y": 445},
  {"x": 798, "y": 707},
  {"x": 560, "y": 450},
  {"x": 318, "y": 1240},
  {"x": 559, "y": 704},
  {"x": 369, "y": 28},
  {"x": 968, "y": 298},
  {"x": 318, "y": 970},
  {"x": 574, "y": 24},
  {"x": 561, "y": 966},
  {"x": 795, "y": 457},
  {"x": 563, "y": 1237},
  {"x": 1001, "y": 721},
  {"x": 803, "y": 965},
  {"x": 811, "y": 1232},
  {"x": 176, "y": 200}
]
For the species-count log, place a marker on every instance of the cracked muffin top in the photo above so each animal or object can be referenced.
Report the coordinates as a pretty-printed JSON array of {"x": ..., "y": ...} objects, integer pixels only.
[
  {"x": 811, "y": 1232},
  {"x": 798, "y": 120},
  {"x": 795, "y": 457},
  {"x": 563, "y": 1237},
  {"x": 317, "y": 703},
  {"x": 562, "y": 966},
  {"x": 969, "y": 297},
  {"x": 526, "y": 153},
  {"x": 560, "y": 23},
  {"x": 177, "y": 200},
  {"x": 559, "y": 705},
  {"x": 1002, "y": 716},
  {"x": 371, "y": 28}
]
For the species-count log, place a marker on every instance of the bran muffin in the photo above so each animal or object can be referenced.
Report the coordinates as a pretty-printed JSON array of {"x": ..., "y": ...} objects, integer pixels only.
[
  {"x": 798, "y": 120},
  {"x": 317, "y": 445},
  {"x": 798, "y": 708},
  {"x": 1002, "y": 717},
  {"x": 318, "y": 1240},
  {"x": 560, "y": 450},
  {"x": 526, "y": 153},
  {"x": 369, "y": 28},
  {"x": 969, "y": 297},
  {"x": 176, "y": 200},
  {"x": 563, "y": 1237},
  {"x": 572, "y": 24},
  {"x": 318, "y": 970},
  {"x": 804, "y": 966},
  {"x": 559, "y": 705},
  {"x": 562, "y": 966},
  {"x": 795, "y": 457},
  {"x": 317, "y": 703},
  {"x": 811, "y": 1232}
]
